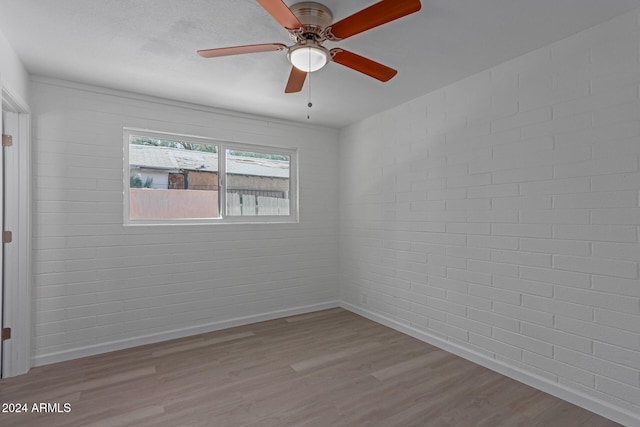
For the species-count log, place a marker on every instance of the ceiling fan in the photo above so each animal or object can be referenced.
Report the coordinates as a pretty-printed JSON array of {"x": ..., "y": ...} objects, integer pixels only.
[{"x": 310, "y": 24}]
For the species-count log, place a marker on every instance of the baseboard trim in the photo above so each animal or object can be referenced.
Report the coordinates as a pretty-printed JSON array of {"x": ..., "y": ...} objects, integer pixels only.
[
  {"x": 605, "y": 409},
  {"x": 76, "y": 353}
]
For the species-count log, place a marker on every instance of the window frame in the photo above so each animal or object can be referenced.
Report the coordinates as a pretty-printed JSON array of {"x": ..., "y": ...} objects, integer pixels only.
[{"x": 222, "y": 147}]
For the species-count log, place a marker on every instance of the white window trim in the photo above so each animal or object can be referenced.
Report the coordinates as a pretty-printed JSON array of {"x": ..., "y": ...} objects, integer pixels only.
[{"x": 293, "y": 216}]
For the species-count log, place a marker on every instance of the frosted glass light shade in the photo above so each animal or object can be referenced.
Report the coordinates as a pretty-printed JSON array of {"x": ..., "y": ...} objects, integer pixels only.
[{"x": 309, "y": 58}]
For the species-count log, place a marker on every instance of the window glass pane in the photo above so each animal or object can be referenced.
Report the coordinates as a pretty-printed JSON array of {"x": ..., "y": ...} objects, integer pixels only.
[
  {"x": 172, "y": 179},
  {"x": 257, "y": 183}
]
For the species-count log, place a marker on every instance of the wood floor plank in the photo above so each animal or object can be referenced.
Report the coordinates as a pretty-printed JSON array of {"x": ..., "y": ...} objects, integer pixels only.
[
  {"x": 333, "y": 356},
  {"x": 328, "y": 368},
  {"x": 409, "y": 365},
  {"x": 128, "y": 418},
  {"x": 200, "y": 344}
]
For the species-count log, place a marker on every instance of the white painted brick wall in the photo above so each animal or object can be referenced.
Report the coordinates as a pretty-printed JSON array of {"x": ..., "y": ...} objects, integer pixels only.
[
  {"x": 533, "y": 187},
  {"x": 97, "y": 283}
]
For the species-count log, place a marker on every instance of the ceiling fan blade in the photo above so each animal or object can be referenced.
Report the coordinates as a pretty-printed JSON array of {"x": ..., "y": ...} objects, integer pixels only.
[
  {"x": 363, "y": 65},
  {"x": 237, "y": 50},
  {"x": 281, "y": 13},
  {"x": 371, "y": 17},
  {"x": 296, "y": 80}
]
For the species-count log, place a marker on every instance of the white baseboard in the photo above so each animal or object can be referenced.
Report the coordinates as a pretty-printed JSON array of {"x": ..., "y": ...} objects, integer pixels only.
[
  {"x": 92, "y": 350},
  {"x": 590, "y": 403}
]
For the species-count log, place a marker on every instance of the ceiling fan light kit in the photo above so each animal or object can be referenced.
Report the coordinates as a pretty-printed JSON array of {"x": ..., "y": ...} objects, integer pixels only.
[
  {"x": 310, "y": 24},
  {"x": 309, "y": 58}
]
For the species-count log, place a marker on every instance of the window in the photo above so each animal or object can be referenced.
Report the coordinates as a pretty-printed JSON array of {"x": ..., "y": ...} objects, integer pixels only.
[{"x": 185, "y": 179}]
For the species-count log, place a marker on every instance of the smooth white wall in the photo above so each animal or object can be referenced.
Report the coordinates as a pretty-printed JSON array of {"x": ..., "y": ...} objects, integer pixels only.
[
  {"x": 99, "y": 285},
  {"x": 499, "y": 217},
  {"x": 13, "y": 75}
]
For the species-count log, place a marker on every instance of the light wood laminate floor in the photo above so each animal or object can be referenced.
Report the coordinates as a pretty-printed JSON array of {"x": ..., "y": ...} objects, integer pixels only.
[{"x": 330, "y": 368}]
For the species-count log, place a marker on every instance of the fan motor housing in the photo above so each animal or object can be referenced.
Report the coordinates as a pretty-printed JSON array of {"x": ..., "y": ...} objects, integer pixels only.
[
  {"x": 314, "y": 17},
  {"x": 312, "y": 14}
]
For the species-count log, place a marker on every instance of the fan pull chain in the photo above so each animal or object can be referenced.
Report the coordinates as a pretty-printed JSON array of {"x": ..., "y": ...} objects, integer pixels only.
[{"x": 309, "y": 104}]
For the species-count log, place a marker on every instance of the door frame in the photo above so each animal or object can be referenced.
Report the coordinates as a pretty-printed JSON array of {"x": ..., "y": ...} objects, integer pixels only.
[
  {"x": 17, "y": 276},
  {"x": 2, "y": 322}
]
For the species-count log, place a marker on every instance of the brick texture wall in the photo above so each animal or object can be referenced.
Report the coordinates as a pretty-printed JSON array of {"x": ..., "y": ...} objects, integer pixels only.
[
  {"x": 500, "y": 215},
  {"x": 99, "y": 285}
]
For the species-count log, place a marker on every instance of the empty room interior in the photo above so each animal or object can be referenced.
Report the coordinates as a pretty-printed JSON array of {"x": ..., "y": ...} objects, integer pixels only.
[{"x": 333, "y": 213}]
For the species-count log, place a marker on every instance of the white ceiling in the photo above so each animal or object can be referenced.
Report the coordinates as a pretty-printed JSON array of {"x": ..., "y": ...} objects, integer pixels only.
[{"x": 149, "y": 47}]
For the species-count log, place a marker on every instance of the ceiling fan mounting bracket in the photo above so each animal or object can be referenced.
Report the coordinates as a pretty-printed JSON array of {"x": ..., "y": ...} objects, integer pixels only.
[{"x": 328, "y": 35}]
